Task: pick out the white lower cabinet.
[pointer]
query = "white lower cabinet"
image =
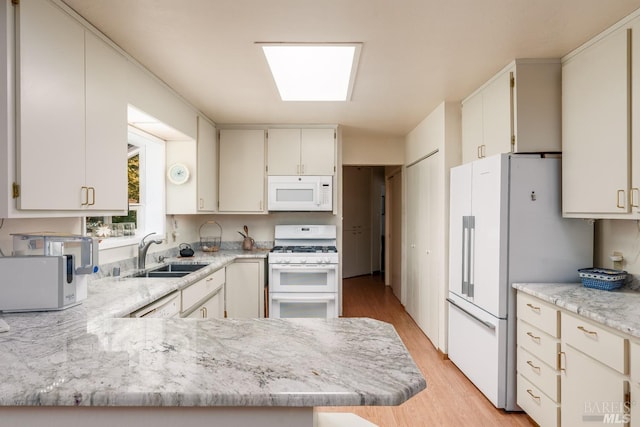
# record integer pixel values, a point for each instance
(205, 298)
(538, 390)
(634, 383)
(213, 308)
(245, 289)
(592, 393)
(571, 371)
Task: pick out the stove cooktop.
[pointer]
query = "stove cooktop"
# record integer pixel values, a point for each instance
(304, 249)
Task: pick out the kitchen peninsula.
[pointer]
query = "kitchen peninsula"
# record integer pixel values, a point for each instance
(89, 363)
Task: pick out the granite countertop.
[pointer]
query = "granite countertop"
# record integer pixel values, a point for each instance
(619, 310)
(89, 356)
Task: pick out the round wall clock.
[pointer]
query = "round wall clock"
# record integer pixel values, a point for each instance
(178, 173)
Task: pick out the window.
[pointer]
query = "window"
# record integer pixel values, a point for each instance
(146, 163)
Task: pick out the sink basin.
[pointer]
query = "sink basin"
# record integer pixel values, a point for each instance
(182, 268)
(171, 270)
(164, 274)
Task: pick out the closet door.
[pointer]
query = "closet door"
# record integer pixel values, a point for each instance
(412, 286)
(423, 273)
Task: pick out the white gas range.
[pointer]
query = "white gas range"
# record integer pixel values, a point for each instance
(303, 272)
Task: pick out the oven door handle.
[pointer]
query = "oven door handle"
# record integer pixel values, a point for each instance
(308, 268)
(302, 298)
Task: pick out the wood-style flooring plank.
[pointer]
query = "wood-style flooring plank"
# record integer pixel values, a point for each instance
(450, 399)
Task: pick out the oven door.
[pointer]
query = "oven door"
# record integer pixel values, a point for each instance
(303, 278)
(309, 305)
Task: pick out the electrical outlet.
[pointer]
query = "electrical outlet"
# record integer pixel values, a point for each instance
(618, 260)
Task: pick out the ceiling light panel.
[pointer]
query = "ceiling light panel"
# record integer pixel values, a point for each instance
(313, 72)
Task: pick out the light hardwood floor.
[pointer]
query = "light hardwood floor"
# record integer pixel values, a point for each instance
(450, 399)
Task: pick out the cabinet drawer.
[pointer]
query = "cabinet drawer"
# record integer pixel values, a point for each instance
(540, 314)
(196, 292)
(539, 373)
(600, 344)
(634, 361)
(538, 343)
(543, 410)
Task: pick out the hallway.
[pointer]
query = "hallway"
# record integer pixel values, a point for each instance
(449, 399)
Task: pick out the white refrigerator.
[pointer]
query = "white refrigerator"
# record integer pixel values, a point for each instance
(505, 226)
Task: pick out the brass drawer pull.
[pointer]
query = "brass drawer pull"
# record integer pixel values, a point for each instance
(586, 331)
(534, 367)
(533, 396)
(533, 307)
(533, 337)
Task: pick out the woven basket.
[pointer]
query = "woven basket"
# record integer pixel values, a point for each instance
(602, 278)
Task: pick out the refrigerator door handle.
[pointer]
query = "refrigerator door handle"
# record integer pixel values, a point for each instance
(472, 255)
(484, 322)
(465, 258)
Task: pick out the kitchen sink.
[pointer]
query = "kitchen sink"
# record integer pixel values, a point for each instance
(179, 268)
(171, 270)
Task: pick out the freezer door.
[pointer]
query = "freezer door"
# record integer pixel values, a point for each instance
(459, 211)
(478, 347)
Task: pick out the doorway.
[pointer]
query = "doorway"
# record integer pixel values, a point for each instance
(363, 238)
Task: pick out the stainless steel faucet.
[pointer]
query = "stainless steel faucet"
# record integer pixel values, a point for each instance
(143, 248)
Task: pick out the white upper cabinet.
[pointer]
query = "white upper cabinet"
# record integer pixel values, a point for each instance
(106, 125)
(207, 166)
(71, 115)
(306, 151)
(50, 108)
(241, 186)
(199, 192)
(596, 123)
(518, 111)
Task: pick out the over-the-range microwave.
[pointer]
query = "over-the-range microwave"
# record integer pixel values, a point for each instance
(300, 193)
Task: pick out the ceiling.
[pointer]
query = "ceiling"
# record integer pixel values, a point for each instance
(416, 53)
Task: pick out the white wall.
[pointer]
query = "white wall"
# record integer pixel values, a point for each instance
(372, 150)
(620, 236)
(261, 227)
(148, 94)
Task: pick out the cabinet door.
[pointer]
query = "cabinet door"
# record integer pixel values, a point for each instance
(242, 171)
(472, 133)
(283, 152)
(244, 290)
(181, 198)
(207, 166)
(635, 118)
(634, 382)
(317, 151)
(213, 308)
(591, 393)
(106, 126)
(595, 128)
(50, 110)
(497, 101)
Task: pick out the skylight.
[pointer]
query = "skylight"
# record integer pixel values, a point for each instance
(311, 71)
